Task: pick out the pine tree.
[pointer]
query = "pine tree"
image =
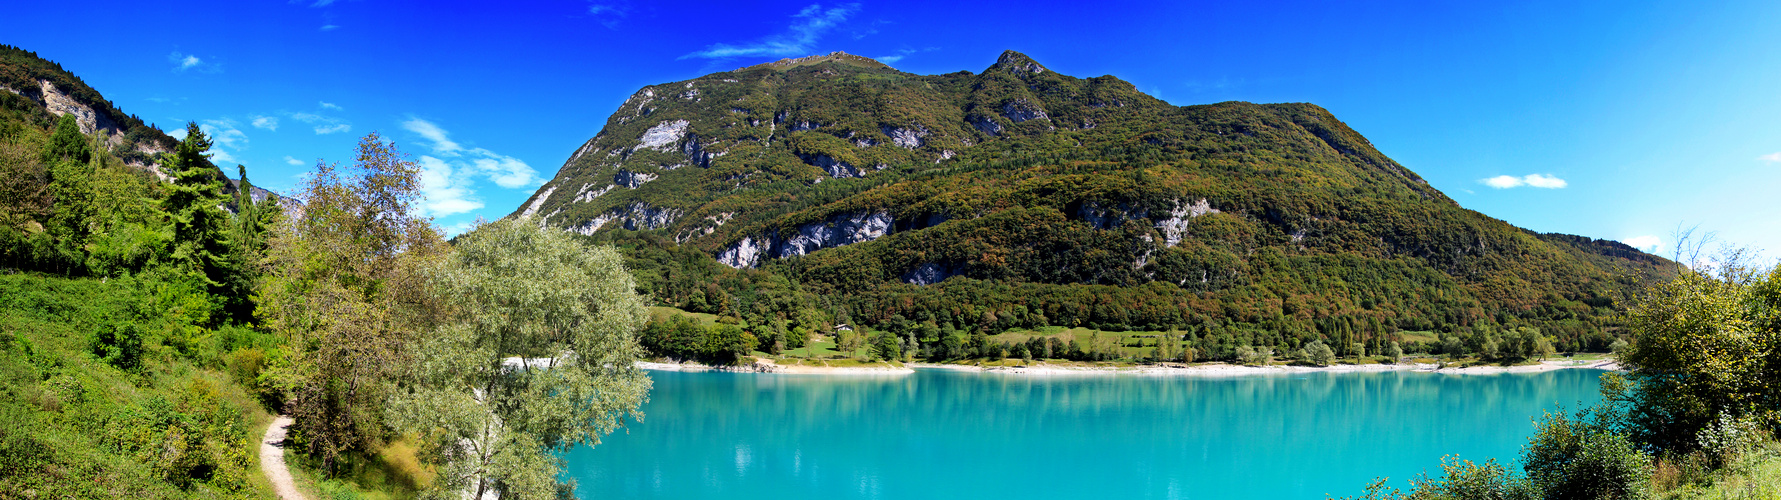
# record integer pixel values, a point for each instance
(194, 201)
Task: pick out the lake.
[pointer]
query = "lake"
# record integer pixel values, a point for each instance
(949, 434)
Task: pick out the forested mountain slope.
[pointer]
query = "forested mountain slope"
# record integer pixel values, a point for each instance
(35, 91)
(1022, 197)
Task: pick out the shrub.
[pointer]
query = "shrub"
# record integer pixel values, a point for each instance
(1578, 457)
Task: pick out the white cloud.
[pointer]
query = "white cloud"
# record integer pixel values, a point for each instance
(323, 124)
(1647, 243)
(503, 170)
(1545, 181)
(1774, 157)
(434, 134)
(445, 192)
(1533, 180)
(225, 133)
(321, 3)
(182, 62)
(293, 161)
(329, 105)
(1503, 181)
(329, 27)
(266, 122)
(807, 26)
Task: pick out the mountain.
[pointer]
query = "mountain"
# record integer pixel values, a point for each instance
(1022, 197)
(36, 91)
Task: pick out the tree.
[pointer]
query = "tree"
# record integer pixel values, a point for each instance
(885, 346)
(535, 356)
(1706, 344)
(1394, 351)
(1318, 353)
(194, 202)
(344, 290)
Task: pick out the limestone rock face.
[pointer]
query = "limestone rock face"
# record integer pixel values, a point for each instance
(836, 231)
(663, 136)
(1020, 110)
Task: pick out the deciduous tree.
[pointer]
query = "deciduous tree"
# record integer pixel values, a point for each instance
(535, 356)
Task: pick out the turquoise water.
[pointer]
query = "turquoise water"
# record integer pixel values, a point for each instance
(944, 434)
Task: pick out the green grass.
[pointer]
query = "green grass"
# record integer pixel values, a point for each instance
(1419, 336)
(663, 312)
(178, 425)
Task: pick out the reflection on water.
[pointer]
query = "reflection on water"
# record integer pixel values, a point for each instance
(942, 434)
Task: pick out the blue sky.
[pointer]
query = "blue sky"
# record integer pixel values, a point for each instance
(1619, 120)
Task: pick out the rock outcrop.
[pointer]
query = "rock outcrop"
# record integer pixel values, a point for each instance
(837, 230)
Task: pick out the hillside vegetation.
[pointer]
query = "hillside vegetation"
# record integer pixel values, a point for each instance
(153, 312)
(835, 189)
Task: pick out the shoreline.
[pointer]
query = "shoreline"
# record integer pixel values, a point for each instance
(763, 365)
(1231, 370)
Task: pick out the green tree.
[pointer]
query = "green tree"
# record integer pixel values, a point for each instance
(1318, 353)
(535, 357)
(344, 290)
(194, 203)
(1705, 345)
(885, 346)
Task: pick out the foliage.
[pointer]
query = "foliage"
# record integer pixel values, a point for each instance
(1705, 345)
(1317, 353)
(1582, 457)
(534, 356)
(1095, 215)
(345, 292)
(117, 414)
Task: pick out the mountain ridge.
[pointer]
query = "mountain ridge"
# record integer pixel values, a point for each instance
(861, 180)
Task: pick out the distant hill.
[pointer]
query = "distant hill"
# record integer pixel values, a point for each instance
(35, 91)
(958, 197)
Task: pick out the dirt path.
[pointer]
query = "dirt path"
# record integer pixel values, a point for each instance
(272, 459)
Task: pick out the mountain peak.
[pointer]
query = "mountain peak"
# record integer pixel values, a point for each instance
(1015, 62)
(838, 57)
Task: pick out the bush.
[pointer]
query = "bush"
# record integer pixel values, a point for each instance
(1464, 480)
(1578, 457)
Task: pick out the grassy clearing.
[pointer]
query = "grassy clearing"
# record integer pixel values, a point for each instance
(662, 312)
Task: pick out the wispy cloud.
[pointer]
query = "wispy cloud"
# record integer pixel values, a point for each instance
(320, 3)
(323, 125)
(807, 27)
(609, 14)
(225, 132)
(1531, 180)
(902, 53)
(293, 161)
(449, 174)
(266, 122)
(1647, 243)
(184, 62)
(225, 136)
(329, 105)
(329, 27)
(1774, 157)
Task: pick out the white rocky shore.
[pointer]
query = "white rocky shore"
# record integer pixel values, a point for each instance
(1165, 369)
(1228, 370)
